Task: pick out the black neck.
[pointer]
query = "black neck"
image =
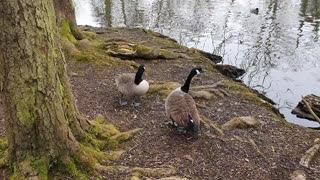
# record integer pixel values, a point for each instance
(138, 77)
(186, 86)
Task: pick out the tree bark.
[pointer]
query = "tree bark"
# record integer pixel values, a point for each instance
(42, 120)
(65, 13)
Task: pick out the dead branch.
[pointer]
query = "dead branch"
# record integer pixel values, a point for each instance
(310, 109)
(308, 156)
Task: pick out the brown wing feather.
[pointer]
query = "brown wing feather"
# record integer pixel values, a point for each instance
(125, 83)
(180, 106)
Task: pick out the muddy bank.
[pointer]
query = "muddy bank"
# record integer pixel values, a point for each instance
(270, 149)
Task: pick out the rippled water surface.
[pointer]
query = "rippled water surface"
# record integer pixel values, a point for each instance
(278, 47)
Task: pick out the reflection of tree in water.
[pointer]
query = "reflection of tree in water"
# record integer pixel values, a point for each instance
(102, 10)
(310, 13)
(257, 60)
(185, 17)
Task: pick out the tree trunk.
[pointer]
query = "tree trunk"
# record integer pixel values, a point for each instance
(41, 117)
(65, 16)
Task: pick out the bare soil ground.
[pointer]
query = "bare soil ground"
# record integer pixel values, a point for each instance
(270, 151)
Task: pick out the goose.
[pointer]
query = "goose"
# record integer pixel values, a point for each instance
(132, 85)
(254, 10)
(181, 108)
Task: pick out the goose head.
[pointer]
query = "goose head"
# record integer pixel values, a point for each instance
(194, 71)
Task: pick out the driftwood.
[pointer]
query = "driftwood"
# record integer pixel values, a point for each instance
(308, 108)
(310, 154)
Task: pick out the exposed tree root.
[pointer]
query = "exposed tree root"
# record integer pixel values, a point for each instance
(241, 123)
(209, 91)
(138, 172)
(252, 143)
(127, 50)
(210, 86)
(124, 136)
(173, 178)
(215, 127)
(298, 175)
(309, 155)
(257, 149)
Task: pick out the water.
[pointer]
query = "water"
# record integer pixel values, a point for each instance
(278, 47)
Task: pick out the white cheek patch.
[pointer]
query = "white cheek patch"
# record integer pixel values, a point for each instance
(191, 120)
(198, 72)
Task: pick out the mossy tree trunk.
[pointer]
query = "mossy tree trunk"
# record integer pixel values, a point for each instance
(65, 16)
(42, 121)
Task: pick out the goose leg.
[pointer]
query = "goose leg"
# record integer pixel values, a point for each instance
(135, 103)
(172, 124)
(122, 103)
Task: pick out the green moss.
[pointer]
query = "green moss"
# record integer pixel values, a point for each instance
(99, 119)
(92, 152)
(153, 172)
(247, 93)
(41, 166)
(99, 156)
(90, 35)
(24, 106)
(102, 130)
(66, 33)
(91, 140)
(146, 52)
(3, 144)
(163, 88)
(82, 57)
(135, 176)
(99, 135)
(112, 143)
(69, 166)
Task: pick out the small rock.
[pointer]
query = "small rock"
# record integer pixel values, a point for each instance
(189, 158)
(241, 122)
(298, 175)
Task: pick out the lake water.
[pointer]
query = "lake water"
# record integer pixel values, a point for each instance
(279, 47)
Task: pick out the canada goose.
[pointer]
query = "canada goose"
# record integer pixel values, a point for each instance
(254, 10)
(132, 85)
(181, 107)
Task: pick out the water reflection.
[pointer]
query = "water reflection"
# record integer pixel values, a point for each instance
(279, 46)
